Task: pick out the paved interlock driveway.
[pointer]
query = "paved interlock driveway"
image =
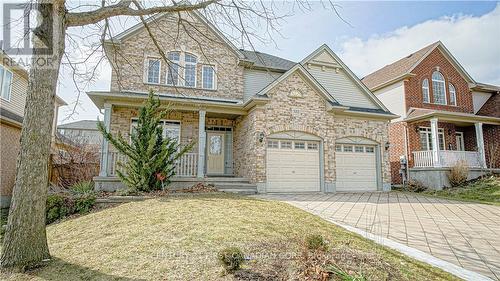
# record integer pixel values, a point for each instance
(463, 233)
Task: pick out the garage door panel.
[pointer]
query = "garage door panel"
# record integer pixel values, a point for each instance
(356, 171)
(293, 170)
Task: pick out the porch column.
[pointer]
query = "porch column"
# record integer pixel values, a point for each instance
(480, 144)
(201, 144)
(435, 142)
(104, 145)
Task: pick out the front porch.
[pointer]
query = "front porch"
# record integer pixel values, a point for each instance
(208, 125)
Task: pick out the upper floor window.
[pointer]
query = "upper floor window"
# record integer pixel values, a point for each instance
(453, 94)
(153, 71)
(425, 90)
(190, 62)
(438, 88)
(173, 68)
(208, 77)
(5, 83)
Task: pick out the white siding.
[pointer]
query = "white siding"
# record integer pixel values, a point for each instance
(341, 86)
(17, 95)
(393, 97)
(256, 80)
(479, 99)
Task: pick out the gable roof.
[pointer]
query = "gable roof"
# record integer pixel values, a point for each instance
(402, 68)
(351, 74)
(139, 26)
(80, 125)
(309, 77)
(265, 61)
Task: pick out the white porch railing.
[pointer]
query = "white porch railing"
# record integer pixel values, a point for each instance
(186, 166)
(447, 158)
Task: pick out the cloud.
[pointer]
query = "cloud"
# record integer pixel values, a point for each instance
(474, 41)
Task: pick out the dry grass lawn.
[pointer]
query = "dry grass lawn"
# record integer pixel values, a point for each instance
(177, 238)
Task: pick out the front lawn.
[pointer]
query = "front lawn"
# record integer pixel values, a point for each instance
(486, 190)
(178, 237)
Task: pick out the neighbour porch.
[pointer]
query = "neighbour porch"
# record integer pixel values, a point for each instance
(438, 141)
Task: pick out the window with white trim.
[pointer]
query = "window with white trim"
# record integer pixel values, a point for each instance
(170, 129)
(453, 94)
(338, 148)
(370, 149)
(426, 138)
(425, 90)
(312, 146)
(153, 71)
(286, 145)
(5, 83)
(208, 77)
(173, 68)
(190, 62)
(347, 148)
(299, 145)
(359, 149)
(438, 88)
(273, 144)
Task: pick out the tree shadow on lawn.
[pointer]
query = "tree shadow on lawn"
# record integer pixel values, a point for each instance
(60, 270)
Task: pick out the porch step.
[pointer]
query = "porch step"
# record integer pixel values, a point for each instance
(240, 191)
(236, 187)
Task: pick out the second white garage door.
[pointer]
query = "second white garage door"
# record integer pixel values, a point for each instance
(292, 166)
(356, 168)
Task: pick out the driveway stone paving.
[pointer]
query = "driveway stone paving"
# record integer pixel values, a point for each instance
(463, 233)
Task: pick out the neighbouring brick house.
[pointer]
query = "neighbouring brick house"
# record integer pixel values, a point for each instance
(261, 120)
(445, 116)
(13, 87)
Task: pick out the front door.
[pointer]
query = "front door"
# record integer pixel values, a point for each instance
(215, 153)
(460, 141)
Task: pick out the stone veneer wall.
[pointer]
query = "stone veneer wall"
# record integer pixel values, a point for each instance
(130, 59)
(307, 114)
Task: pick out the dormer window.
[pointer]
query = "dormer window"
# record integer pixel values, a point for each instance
(153, 71)
(190, 62)
(453, 94)
(173, 68)
(438, 88)
(425, 91)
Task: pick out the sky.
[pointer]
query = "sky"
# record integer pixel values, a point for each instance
(378, 34)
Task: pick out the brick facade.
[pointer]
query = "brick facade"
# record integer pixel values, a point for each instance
(305, 114)
(434, 61)
(130, 57)
(491, 107)
(10, 145)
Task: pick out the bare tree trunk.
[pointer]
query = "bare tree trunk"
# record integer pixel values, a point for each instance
(25, 241)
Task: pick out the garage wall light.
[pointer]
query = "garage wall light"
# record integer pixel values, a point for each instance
(261, 137)
(387, 145)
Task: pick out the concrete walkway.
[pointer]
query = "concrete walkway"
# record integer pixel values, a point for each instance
(465, 234)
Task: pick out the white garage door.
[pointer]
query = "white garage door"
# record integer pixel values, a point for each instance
(292, 166)
(356, 167)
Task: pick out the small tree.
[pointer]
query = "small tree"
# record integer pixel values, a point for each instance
(150, 157)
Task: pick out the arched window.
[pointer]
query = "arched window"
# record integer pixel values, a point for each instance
(453, 94)
(425, 91)
(438, 88)
(190, 62)
(173, 68)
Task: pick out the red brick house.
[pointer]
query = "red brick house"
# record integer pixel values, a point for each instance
(445, 116)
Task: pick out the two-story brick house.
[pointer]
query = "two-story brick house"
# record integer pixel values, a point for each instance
(257, 119)
(13, 87)
(445, 116)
